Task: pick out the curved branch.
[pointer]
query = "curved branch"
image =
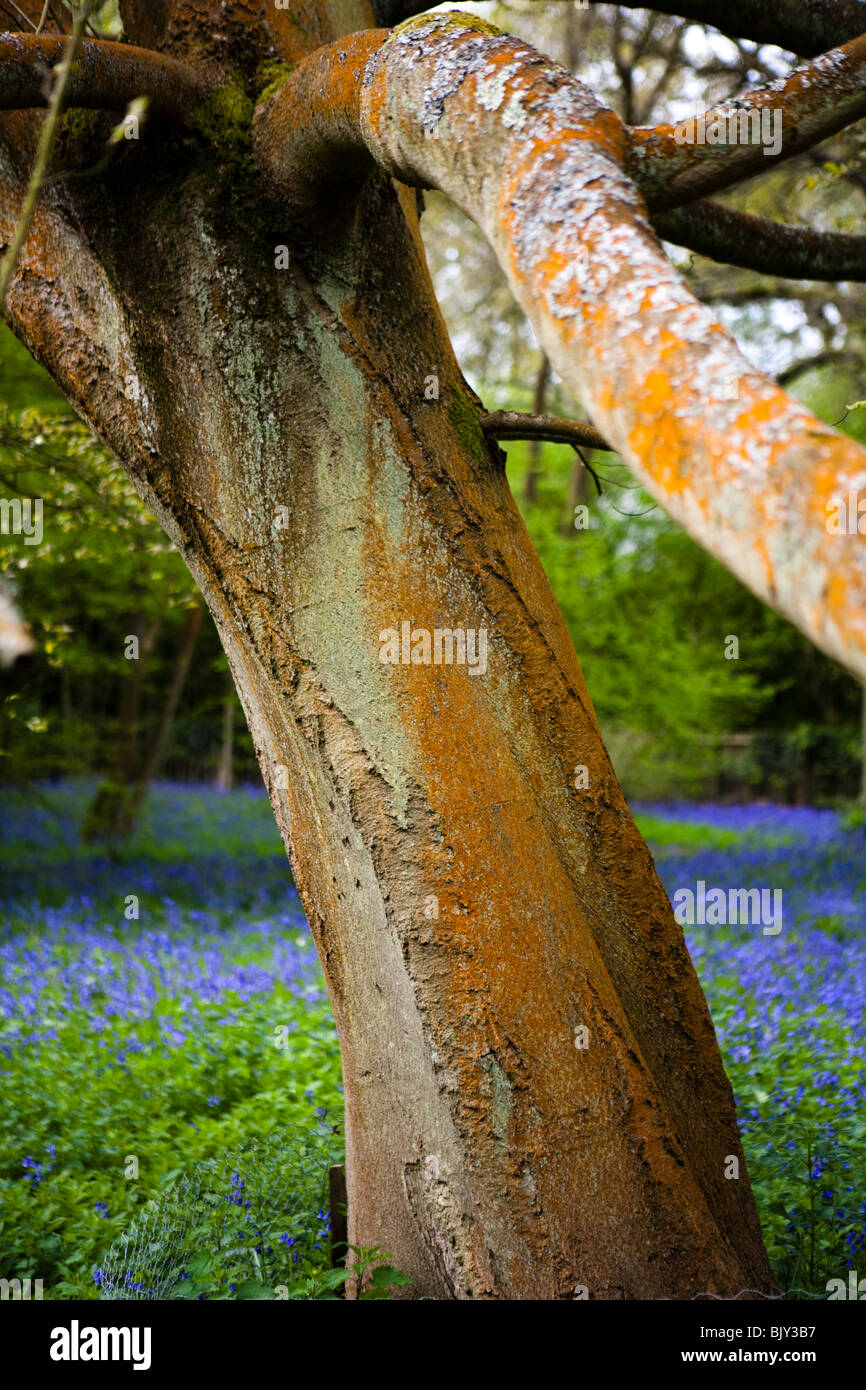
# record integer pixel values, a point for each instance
(512, 424)
(804, 28)
(107, 76)
(755, 243)
(532, 157)
(674, 164)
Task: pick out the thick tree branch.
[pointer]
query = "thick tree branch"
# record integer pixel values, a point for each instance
(755, 243)
(673, 164)
(106, 76)
(511, 424)
(807, 27)
(534, 159)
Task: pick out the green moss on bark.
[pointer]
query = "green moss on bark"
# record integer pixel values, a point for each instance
(463, 414)
(451, 20)
(270, 76)
(225, 119)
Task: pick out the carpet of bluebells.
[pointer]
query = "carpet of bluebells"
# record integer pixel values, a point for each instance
(134, 1047)
(790, 1014)
(162, 1008)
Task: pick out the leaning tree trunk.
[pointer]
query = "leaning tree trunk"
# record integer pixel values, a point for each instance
(535, 1100)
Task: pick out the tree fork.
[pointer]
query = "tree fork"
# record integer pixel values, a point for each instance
(532, 157)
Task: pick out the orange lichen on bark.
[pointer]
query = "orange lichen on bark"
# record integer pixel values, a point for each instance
(501, 1034)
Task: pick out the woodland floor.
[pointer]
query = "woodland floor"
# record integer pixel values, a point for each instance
(132, 1049)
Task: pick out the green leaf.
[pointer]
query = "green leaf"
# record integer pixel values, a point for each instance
(251, 1288)
(387, 1275)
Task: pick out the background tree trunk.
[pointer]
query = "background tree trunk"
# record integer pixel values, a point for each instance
(129, 720)
(224, 775)
(157, 750)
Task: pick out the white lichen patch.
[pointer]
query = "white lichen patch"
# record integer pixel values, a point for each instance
(514, 117)
(491, 90)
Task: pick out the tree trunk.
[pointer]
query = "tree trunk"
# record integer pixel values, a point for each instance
(130, 697)
(224, 776)
(577, 494)
(535, 1100)
(112, 812)
(156, 753)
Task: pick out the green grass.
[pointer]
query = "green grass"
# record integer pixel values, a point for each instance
(671, 834)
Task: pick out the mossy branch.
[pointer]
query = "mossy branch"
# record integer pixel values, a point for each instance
(105, 76)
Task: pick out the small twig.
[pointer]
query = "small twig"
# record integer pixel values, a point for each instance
(511, 424)
(21, 14)
(589, 468)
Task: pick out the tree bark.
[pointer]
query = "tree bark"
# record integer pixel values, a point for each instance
(535, 1099)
